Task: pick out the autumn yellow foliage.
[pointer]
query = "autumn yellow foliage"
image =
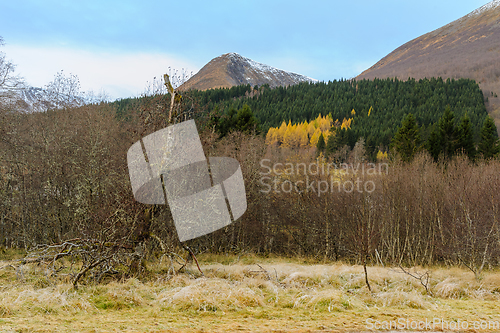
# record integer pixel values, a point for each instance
(306, 134)
(382, 156)
(346, 124)
(300, 135)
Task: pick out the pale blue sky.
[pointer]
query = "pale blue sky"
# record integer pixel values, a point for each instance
(119, 46)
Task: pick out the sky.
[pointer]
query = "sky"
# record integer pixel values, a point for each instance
(119, 47)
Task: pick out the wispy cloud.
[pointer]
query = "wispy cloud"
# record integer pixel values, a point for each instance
(119, 74)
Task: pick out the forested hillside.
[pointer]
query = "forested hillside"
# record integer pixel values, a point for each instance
(389, 100)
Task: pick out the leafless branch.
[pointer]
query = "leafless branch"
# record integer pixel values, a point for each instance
(423, 278)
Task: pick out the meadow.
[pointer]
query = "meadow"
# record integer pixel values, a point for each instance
(252, 294)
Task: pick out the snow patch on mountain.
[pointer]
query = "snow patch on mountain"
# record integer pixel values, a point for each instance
(33, 99)
(490, 5)
(268, 71)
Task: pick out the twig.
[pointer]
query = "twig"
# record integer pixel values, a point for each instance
(424, 278)
(85, 270)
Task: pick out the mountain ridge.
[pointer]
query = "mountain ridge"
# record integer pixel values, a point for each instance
(34, 99)
(468, 47)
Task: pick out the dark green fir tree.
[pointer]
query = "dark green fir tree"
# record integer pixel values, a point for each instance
(466, 138)
(406, 141)
(448, 134)
(488, 146)
(321, 145)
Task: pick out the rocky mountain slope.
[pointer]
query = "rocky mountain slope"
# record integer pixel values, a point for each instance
(33, 99)
(468, 47)
(232, 69)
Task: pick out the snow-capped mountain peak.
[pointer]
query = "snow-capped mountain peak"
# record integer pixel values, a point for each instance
(232, 69)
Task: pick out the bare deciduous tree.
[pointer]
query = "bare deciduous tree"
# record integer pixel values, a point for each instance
(9, 82)
(64, 91)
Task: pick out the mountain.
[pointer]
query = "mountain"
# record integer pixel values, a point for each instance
(33, 99)
(468, 47)
(232, 69)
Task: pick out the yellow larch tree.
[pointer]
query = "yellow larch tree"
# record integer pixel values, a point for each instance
(310, 129)
(272, 136)
(346, 124)
(381, 156)
(303, 134)
(287, 140)
(281, 132)
(325, 124)
(314, 139)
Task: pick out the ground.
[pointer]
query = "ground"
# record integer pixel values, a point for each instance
(253, 294)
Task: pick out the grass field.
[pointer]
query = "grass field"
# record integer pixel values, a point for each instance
(253, 294)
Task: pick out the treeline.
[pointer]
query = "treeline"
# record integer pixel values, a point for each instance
(447, 138)
(388, 99)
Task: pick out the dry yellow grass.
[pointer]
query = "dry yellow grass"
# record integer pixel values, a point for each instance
(248, 295)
